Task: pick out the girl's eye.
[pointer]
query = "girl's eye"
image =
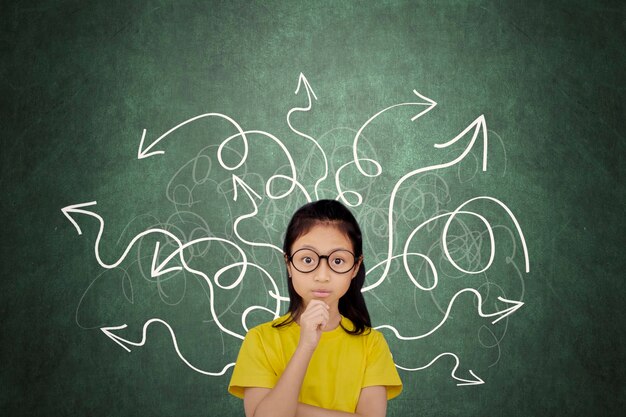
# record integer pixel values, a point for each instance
(338, 261)
(307, 260)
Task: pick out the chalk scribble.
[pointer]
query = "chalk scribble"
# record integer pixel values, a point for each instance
(238, 261)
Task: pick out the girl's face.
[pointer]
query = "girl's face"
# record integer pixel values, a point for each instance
(322, 283)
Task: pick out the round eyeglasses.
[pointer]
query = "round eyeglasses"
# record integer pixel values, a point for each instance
(307, 260)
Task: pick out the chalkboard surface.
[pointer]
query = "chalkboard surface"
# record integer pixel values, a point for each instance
(154, 151)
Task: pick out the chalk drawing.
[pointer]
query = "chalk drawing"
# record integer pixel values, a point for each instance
(244, 247)
(476, 381)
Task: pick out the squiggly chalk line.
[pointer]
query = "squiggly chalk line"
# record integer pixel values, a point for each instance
(390, 207)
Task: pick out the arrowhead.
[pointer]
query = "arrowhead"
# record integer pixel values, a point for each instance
(117, 339)
(238, 182)
(479, 125)
(476, 381)
(157, 270)
(428, 102)
(508, 311)
(302, 80)
(76, 208)
(145, 153)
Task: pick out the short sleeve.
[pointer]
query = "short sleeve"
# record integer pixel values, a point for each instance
(252, 368)
(380, 369)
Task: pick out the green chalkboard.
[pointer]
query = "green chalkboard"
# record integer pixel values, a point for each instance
(154, 151)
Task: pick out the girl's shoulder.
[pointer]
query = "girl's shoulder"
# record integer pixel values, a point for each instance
(373, 338)
(272, 326)
(369, 332)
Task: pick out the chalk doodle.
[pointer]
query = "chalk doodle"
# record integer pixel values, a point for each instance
(233, 260)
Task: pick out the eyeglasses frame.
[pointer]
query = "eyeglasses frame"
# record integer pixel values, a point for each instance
(327, 257)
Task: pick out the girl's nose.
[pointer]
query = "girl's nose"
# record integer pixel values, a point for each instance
(322, 273)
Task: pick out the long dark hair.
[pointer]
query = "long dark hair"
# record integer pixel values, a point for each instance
(352, 304)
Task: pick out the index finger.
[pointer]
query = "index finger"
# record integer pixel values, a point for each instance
(318, 302)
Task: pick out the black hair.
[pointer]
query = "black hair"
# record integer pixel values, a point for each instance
(352, 304)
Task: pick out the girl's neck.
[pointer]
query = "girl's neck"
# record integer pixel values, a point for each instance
(333, 322)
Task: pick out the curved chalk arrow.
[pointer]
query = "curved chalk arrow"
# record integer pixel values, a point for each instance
(160, 269)
(145, 152)
(78, 209)
(237, 184)
(451, 216)
(302, 81)
(427, 102)
(464, 382)
(244, 264)
(477, 126)
(268, 185)
(123, 342)
(500, 314)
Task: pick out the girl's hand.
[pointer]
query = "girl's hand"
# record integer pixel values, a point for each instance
(312, 321)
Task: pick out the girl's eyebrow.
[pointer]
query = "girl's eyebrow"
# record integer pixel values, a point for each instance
(317, 250)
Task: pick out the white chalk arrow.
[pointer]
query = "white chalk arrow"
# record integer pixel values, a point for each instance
(444, 242)
(157, 269)
(244, 264)
(514, 306)
(430, 104)
(268, 184)
(77, 208)
(160, 268)
(146, 152)
(302, 81)
(476, 127)
(237, 184)
(463, 382)
(124, 343)
(74, 209)
(309, 92)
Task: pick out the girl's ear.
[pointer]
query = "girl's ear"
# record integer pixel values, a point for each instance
(287, 263)
(357, 265)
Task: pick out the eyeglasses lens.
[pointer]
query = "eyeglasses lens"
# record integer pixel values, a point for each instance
(306, 260)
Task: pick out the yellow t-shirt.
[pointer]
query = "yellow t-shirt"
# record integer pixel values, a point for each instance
(341, 366)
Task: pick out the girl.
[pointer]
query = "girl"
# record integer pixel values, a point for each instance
(322, 358)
